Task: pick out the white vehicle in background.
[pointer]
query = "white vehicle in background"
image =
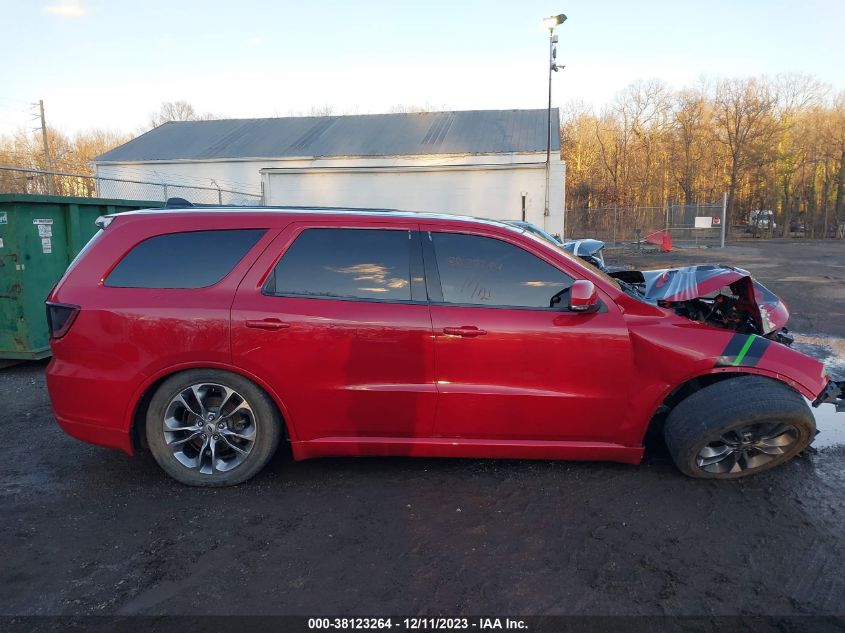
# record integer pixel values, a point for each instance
(761, 220)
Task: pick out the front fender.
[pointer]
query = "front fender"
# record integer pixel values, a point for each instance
(749, 353)
(669, 353)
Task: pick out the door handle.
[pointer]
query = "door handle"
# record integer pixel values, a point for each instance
(267, 324)
(467, 331)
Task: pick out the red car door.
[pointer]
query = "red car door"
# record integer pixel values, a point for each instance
(507, 364)
(334, 319)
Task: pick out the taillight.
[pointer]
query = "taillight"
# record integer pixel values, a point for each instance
(60, 316)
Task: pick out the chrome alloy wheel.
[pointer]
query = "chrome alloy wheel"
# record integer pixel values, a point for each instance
(209, 428)
(747, 447)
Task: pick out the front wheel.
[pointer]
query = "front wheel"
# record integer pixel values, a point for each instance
(212, 428)
(738, 427)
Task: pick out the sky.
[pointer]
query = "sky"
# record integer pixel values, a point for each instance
(111, 63)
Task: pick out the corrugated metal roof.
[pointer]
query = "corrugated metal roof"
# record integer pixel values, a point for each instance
(463, 132)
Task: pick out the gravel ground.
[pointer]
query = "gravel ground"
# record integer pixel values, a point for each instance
(91, 531)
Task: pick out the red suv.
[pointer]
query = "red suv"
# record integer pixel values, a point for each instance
(210, 335)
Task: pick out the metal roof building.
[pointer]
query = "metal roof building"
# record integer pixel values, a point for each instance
(470, 132)
(483, 162)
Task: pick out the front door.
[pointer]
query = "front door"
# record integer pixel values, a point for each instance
(507, 364)
(336, 319)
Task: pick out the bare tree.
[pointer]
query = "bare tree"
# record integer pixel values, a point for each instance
(773, 143)
(581, 152)
(744, 124)
(838, 137)
(178, 111)
(402, 108)
(689, 140)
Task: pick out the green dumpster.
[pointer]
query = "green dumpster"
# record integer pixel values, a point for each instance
(39, 237)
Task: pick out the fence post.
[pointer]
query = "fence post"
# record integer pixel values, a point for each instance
(724, 217)
(615, 222)
(219, 193)
(163, 185)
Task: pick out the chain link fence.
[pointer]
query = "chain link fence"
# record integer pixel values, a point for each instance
(36, 181)
(614, 225)
(695, 225)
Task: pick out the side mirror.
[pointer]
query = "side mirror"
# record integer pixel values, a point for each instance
(583, 297)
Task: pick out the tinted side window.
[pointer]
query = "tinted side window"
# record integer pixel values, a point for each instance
(183, 260)
(486, 271)
(346, 264)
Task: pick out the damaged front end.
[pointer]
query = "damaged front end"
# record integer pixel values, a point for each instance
(833, 393)
(722, 296)
(730, 299)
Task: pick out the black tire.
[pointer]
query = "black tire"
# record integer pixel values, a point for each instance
(264, 421)
(702, 420)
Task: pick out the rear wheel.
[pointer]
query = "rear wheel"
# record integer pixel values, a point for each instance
(212, 428)
(738, 427)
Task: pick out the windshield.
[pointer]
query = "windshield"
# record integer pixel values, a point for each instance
(541, 233)
(556, 245)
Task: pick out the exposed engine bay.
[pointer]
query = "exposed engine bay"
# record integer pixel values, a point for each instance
(728, 311)
(722, 296)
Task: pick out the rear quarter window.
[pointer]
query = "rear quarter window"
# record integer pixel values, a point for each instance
(193, 259)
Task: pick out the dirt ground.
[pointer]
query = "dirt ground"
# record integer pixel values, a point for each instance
(91, 531)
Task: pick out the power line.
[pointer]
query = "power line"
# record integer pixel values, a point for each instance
(9, 109)
(8, 100)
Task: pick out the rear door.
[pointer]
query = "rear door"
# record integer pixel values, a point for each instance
(510, 366)
(335, 318)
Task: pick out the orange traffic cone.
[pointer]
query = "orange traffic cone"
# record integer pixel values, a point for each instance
(666, 245)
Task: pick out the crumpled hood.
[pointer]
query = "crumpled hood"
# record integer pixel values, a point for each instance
(694, 282)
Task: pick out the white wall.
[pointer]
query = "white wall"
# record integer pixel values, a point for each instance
(485, 192)
(438, 183)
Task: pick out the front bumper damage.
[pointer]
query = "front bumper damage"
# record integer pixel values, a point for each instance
(833, 393)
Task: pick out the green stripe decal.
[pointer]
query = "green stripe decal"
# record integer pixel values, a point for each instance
(743, 351)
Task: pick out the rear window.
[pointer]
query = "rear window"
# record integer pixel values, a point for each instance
(183, 260)
(346, 264)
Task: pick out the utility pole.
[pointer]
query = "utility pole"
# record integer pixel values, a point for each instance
(552, 67)
(551, 23)
(50, 186)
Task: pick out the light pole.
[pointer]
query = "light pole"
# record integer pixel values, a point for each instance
(551, 23)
